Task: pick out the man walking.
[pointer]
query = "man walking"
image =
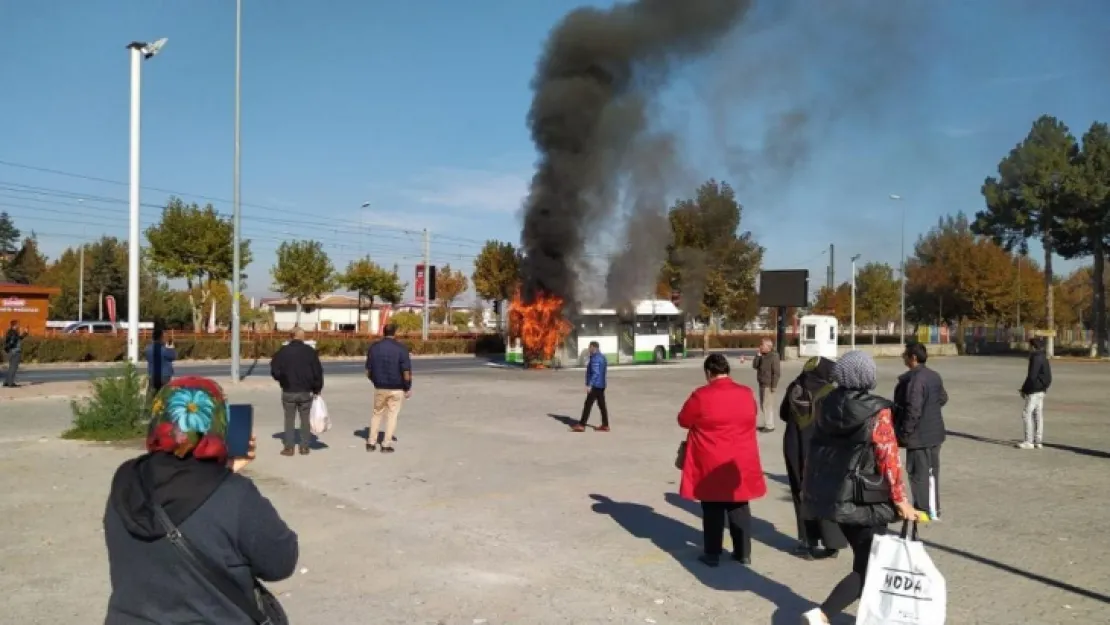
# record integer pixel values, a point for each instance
(389, 368)
(596, 371)
(1037, 381)
(919, 424)
(296, 367)
(13, 347)
(767, 373)
(159, 363)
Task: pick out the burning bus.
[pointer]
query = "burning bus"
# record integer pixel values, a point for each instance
(650, 331)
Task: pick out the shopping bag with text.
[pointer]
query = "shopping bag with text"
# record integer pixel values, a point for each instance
(903, 586)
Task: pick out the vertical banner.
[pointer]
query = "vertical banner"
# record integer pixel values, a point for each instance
(111, 303)
(420, 284)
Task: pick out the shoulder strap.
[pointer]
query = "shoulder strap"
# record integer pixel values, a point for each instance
(202, 566)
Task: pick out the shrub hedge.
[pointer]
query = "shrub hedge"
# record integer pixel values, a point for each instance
(751, 341)
(114, 349)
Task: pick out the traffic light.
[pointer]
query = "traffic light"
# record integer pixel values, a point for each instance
(431, 283)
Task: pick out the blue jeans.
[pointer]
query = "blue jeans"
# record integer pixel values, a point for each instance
(13, 365)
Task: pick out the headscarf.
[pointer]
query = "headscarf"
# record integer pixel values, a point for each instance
(189, 417)
(855, 371)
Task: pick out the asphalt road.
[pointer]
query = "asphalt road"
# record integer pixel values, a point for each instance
(39, 375)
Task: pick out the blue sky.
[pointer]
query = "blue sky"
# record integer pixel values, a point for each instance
(419, 108)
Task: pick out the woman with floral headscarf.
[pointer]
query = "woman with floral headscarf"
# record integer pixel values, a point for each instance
(219, 511)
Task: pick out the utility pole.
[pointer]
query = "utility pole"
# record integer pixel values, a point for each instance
(81, 284)
(236, 261)
(427, 275)
(854, 259)
(829, 270)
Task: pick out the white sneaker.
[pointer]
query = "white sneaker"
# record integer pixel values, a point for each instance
(1024, 445)
(1038, 445)
(814, 617)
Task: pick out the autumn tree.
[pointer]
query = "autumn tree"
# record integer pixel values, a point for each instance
(836, 302)
(878, 295)
(496, 273)
(1027, 199)
(28, 264)
(1086, 226)
(9, 242)
(449, 286)
(194, 244)
(710, 261)
(303, 272)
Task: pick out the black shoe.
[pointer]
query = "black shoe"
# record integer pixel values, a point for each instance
(711, 560)
(803, 551)
(824, 553)
(745, 560)
(387, 450)
(371, 447)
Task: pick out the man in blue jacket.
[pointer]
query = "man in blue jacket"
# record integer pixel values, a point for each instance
(595, 389)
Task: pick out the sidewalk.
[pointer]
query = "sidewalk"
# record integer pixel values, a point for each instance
(83, 389)
(222, 361)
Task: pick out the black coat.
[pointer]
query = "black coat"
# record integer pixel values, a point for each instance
(918, 400)
(1039, 377)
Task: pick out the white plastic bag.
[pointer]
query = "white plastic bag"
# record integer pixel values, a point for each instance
(903, 586)
(319, 420)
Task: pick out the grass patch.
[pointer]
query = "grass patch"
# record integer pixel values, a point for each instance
(116, 411)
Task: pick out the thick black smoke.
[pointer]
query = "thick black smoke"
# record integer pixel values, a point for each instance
(592, 88)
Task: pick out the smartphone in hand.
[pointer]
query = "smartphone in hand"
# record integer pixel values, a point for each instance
(240, 426)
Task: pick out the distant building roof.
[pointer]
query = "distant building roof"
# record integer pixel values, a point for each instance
(327, 301)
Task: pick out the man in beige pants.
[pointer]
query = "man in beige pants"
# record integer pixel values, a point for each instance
(390, 371)
(767, 374)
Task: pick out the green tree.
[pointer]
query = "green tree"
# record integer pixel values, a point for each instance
(407, 322)
(194, 244)
(710, 262)
(1086, 230)
(1027, 199)
(28, 264)
(303, 272)
(878, 295)
(106, 264)
(449, 286)
(9, 242)
(496, 273)
(369, 280)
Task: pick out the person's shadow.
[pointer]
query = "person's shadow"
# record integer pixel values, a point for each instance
(683, 543)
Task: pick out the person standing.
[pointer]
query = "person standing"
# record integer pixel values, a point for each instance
(13, 347)
(389, 368)
(799, 409)
(159, 363)
(296, 367)
(767, 373)
(853, 476)
(721, 468)
(1037, 381)
(596, 373)
(919, 422)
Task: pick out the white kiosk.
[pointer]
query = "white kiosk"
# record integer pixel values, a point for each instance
(818, 334)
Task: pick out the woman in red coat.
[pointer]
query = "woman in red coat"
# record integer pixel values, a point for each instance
(721, 468)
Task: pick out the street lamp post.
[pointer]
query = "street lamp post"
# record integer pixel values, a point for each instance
(139, 52)
(902, 264)
(236, 208)
(854, 259)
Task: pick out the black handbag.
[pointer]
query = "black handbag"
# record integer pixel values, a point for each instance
(260, 604)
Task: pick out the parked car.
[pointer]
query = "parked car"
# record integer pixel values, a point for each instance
(91, 327)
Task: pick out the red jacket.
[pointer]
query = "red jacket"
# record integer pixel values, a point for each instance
(722, 450)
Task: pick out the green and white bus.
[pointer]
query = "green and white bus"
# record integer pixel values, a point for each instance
(654, 333)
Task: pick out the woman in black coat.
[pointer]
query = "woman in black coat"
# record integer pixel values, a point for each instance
(796, 411)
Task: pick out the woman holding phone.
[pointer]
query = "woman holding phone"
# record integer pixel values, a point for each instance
(187, 475)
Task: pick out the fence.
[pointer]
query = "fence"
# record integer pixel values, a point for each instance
(1007, 334)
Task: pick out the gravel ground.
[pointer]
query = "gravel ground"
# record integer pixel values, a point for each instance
(491, 512)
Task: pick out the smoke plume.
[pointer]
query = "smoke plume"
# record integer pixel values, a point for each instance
(589, 119)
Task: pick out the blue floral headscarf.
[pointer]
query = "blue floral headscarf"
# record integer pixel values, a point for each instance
(189, 416)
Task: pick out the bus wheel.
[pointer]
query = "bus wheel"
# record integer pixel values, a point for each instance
(660, 355)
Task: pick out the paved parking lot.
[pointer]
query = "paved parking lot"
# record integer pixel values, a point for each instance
(492, 512)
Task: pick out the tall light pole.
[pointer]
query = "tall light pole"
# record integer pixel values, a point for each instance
(236, 212)
(902, 263)
(854, 259)
(139, 52)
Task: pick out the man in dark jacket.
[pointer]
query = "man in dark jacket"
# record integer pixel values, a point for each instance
(1037, 381)
(13, 347)
(919, 424)
(296, 367)
(389, 368)
(767, 374)
(596, 373)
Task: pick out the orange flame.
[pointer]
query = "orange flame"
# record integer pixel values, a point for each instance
(539, 325)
